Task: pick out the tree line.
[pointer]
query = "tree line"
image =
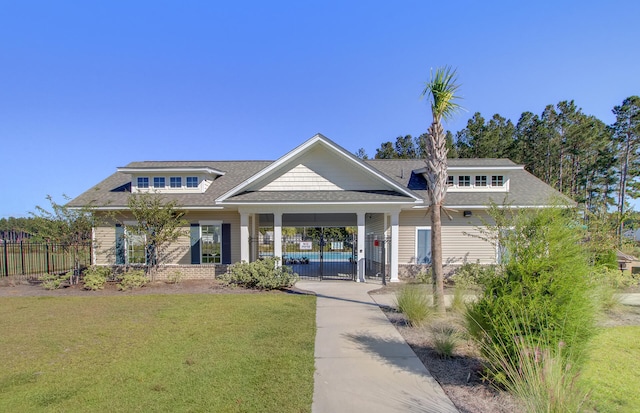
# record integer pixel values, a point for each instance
(595, 164)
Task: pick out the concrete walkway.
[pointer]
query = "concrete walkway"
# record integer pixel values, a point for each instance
(362, 363)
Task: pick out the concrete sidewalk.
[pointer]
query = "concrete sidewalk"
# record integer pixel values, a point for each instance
(362, 363)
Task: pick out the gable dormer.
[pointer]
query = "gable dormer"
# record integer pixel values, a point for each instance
(478, 175)
(184, 179)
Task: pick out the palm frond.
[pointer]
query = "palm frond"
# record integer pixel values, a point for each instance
(441, 92)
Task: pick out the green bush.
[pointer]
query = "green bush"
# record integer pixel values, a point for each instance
(54, 281)
(473, 275)
(263, 274)
(543, 290)
(96, 277)
(608, 282)
(132, 279)
(175, 277)
(413, 301)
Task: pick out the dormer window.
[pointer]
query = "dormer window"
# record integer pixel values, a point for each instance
(450, 181)
(464, 180)
(481, 180)
(497, 180)
(192, 181)
(185, 179)
(143, 182)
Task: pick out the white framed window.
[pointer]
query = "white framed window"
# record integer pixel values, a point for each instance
(175, 182)
(211, 242)
(143, 182)
(134, 246)
(450, 180)
(423, 245)
(464, 180)
(497, 180)
(192, 181)
(481, 180)
(158, 182)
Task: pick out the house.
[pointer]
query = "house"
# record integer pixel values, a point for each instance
(321, 209)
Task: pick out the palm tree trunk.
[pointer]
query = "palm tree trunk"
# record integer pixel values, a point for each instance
(437, 272)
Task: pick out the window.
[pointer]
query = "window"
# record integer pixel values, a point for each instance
(192, 181)
(423, 245)
(211, 245)
(464, 180)
(450, 180)
(497, 180)
(175, 182)
(481, 180)
(158, 181)
(135, 248)
(143, 182)
(502, 253)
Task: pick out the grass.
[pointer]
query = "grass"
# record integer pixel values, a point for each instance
(413, 301)
(223, 353)
(611, 372)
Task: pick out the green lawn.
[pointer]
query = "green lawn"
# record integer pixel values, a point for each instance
(171, 353)
(611, 373)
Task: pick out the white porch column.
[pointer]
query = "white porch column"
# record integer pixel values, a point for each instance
(245, 248)
(277, 234)
(361, 246)
(395, 235)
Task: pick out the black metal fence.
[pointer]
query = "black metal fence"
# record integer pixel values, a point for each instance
(30, 259)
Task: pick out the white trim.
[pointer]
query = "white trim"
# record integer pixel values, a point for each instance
(324, 203)
(209, 223)
(415, 239)
(486, 168)
(163, 170)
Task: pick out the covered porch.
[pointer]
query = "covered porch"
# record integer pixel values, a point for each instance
(328, 242)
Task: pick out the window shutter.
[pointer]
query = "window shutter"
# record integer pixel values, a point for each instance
(195, 243)
(120, 244)
(226, 243)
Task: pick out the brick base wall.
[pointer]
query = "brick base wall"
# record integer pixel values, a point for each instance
(413, 271)
(188, 272)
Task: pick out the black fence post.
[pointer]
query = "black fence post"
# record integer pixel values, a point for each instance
(22, 258)
(6, 258)
(47, 258)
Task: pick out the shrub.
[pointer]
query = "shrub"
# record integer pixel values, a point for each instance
(54, 281)
(608, 282)
(473, 275)
(132, 279)
(95, 277)
(415, 304)
(175, 277)
(544, 289)
(263, 274)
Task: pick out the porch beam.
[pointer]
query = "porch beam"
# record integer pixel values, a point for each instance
(277, 235)
(361, 246)
(395, 242)
(244, 237)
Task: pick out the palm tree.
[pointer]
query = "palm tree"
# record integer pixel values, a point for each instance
(441, 94)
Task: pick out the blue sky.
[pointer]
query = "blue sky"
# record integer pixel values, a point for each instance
(88, 86)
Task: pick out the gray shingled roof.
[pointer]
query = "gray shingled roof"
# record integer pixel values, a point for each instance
(525, 189)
